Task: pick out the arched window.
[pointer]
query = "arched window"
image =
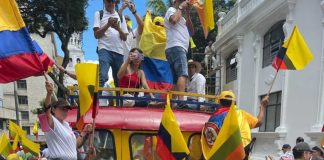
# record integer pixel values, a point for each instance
(272, 41)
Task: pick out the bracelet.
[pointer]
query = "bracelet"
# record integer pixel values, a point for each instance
(134, 12)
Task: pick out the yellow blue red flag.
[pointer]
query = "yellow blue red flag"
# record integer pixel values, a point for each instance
(156, 67)
(294, 53)
(170, 142)
(20, 57)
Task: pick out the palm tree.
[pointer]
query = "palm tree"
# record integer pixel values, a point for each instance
(159, 7)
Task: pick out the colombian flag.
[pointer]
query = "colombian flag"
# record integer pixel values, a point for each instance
(228, 144)
(294, 53)
(156, 67)
(170, 142)
(88, 81)
(205, 11)
(19, 56)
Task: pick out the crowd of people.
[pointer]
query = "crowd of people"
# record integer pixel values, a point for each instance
(301, 151)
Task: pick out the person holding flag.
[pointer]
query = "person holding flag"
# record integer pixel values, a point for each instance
(61, 141)
(245, 120)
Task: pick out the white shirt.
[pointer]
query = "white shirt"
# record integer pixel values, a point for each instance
(208, 50)
(132, 42)
(196, 84)
(61, 141)
(178, 34)
(111, 39)
(287, 156)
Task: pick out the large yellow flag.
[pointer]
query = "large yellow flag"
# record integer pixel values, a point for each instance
(5, 147)
(153, 39)
(88, 81)
(205, 11)
(294, 53)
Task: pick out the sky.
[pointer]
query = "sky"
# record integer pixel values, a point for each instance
(89, 42)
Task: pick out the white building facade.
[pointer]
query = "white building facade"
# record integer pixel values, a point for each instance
(250, 35)
(76, 56)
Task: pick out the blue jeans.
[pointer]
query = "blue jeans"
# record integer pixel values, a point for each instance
(109, 59)
(177, 57)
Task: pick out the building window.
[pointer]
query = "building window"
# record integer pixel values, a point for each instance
(23, 100)
(231, 70)
(272, 113)
(272, 41)
(22, 84)
(27, 129)
(24, 115)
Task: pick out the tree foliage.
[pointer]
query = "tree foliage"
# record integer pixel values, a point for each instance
(63, 17)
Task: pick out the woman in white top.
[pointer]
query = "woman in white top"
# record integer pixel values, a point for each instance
(60, 139)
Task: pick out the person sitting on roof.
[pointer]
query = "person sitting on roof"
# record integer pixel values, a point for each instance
(245, 119)
(131, 76)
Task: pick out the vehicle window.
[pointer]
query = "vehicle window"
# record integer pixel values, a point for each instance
(105, 145)
(142, 147)
(195, 147)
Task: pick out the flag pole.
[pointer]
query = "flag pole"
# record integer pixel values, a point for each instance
(272, 82)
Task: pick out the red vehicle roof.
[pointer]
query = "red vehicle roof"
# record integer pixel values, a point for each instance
(141, 118)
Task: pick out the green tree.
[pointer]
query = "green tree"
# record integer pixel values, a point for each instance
(63, 17)
(159, 7)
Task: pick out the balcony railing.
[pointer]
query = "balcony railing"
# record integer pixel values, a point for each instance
(240, 10)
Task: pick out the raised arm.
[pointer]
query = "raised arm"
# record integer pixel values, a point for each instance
(49, 88)
(140, 23)
(263, 105)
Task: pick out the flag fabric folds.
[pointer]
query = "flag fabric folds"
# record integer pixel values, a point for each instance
(170, 142)
(35, 128)
(205, 12)
(18, 54)
(228, 144)
(88, 82)
(31, 146)
(156, 67)
(14, 130)
(294, 53)
(5, 146)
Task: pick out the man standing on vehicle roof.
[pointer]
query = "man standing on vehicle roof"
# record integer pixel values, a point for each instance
(178, 29)
(110, 31)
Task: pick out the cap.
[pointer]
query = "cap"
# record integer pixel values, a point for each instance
(158, 20)
(229, 95)
(319, 149)
(61, 103)
(302, 146)
(285, 146)
(197, 64)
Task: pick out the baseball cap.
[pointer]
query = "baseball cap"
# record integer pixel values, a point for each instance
(62, 103)
(228, 95)
(158, 20)
(302, 146)
(319, 149)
